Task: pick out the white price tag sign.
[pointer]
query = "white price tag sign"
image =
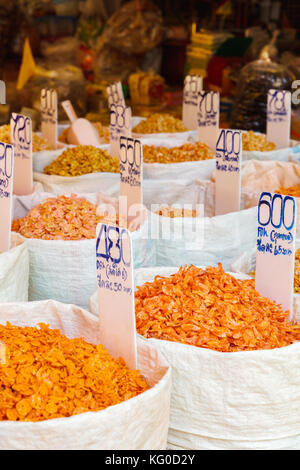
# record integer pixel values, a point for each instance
(115, 94)
(193, 84)
(6, 191)
(116, 292)
(120, 125)
(279, 117)
(2, 92)
(131, 171)
(208, 117)
(21, 138)
(275, 255)
(228, 174)
(49, 116)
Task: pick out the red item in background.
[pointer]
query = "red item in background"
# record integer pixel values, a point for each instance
(87, 56)
(216, 66)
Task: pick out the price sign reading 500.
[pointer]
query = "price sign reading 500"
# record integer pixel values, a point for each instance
(110, 243)
(277, 210)
(130, 152)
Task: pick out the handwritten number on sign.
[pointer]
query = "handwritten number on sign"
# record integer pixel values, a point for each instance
(130, 151)
(110, 244)
(277, 101)
(21, 129)
(6, 156)
(267, 210)
(208, 102)
(228, 142)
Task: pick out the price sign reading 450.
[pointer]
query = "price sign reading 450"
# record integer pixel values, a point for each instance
(21, 138)
(116, 292)
(192, 86)
(6, 191)
(115, 94)
(279, 117)
(228, 174)
(208, 117)
(49, 116)
(275, 255)
(120, 125)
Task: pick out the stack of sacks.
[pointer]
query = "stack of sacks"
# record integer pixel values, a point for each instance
(14, 271)
(188, 229)
(60, 233)
(233, 356)
(122, 408)
(83, 169)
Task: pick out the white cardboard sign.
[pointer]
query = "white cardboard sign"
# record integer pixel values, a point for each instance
(228, 174)
(49, 116)
(208, 116)
(131, 171)
(279, 117)
(120, 125)
(193, 84)
(2, 92)
(116, 292)
(6, 192)
(275, 250)
(21, 138)
(115, 94)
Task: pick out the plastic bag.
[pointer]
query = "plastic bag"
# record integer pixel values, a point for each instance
(250, 104)
(135, 28)
(138, 423)
(14, 271)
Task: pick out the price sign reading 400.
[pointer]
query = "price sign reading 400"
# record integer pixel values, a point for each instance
(116, 292)
(275, 255)
(228, 171)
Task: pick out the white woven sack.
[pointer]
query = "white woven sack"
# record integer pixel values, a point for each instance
(185, 170)
(278, 155)
(199, 240)
(138, 423)
(66, 270)
(241, 400)
(89, 183)
(246, 263)
(14, 272)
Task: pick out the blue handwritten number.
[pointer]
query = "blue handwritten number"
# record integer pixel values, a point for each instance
(270, 206)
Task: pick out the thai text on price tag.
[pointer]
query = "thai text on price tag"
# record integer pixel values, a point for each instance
(279, 117)
(228, 174)
(115, 94)
(208, 116)
(49, 116)
(120, 125)
(6, 191)
(116, 292)
(192, 86)
(2, 92)
(131, 172)
(21, 138)
(275, 250)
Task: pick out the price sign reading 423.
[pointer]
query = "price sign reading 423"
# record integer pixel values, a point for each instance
(279, 117)
(228, 174)
(131, 170)
(275, 250)
(49, 116)
(208, 112)
(6, 191)
(115, 94)
(21, 138)
(116, 292)
(120, 125)
(192, 86)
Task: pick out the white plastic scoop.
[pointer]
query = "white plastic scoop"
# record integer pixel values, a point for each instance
(81, 131)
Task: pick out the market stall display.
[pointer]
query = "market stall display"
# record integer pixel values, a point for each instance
(103, 132)
(119, 424)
